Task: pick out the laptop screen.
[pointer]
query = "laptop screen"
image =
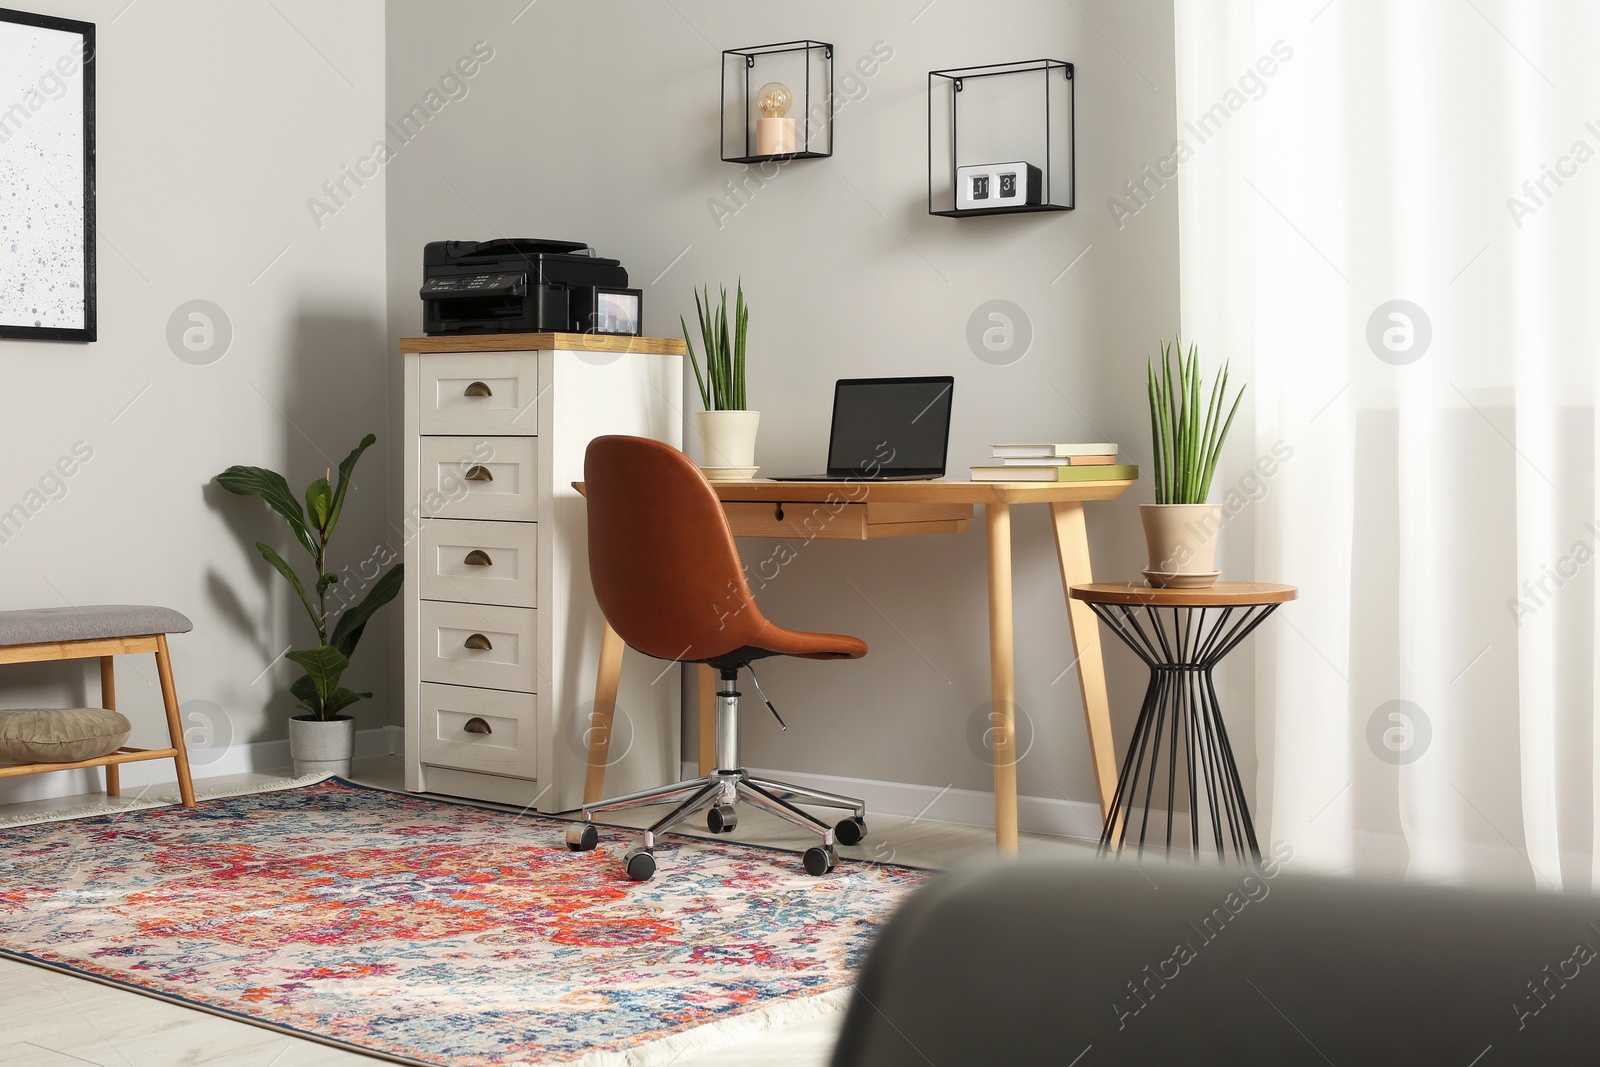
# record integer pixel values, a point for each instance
(890, 426)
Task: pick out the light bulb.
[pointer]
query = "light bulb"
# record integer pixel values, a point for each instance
(774, 99)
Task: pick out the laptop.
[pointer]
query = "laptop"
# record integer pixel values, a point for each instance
(887, 429)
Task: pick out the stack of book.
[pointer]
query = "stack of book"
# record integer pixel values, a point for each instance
(1094, 462)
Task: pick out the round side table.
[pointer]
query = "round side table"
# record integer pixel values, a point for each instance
(1181, 634)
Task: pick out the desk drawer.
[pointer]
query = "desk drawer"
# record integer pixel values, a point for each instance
(472, 644)
(480, 477)
(835, 522)
(845, 522)
(484, 393)
(478, 730)
(480, 562)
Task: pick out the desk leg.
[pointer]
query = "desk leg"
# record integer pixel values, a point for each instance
(1002, 678)
(706, 704)
(1072, 547)
(605, 707)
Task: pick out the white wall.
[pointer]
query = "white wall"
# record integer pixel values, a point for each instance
(597, 121)
(216, 123)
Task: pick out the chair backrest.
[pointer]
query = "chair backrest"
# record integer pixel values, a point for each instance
(665, 569)
(1037, 961)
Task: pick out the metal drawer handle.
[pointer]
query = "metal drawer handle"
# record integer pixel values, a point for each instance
(476, 641)
(479, 473)
(478, 558)
(478, 389)
(477, 725)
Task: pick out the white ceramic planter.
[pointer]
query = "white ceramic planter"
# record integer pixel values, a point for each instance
(322, 747)
(727, 438)
(1181, 540)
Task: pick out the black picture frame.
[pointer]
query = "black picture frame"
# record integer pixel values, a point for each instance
(15, 115)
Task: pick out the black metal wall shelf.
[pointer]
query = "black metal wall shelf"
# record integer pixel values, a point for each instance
(1040, 96)
(806, 67)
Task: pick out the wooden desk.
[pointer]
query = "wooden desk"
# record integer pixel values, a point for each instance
(859, 511)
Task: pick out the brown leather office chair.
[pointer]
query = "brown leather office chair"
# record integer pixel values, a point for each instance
(668, 579)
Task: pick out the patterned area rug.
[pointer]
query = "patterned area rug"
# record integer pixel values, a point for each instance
(437, 933)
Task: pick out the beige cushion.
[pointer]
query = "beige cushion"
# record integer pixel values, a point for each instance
(60, 735)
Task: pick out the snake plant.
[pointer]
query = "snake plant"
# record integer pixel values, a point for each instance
(1186, 430)
(722, 383)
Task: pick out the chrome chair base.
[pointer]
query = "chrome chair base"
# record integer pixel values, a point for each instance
(724, 789)
(717, 794)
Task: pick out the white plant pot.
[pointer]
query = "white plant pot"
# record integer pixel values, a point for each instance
(727, 438)
(322, 747)
(1181, 540)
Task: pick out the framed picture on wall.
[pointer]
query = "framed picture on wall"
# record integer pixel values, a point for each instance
(47, 235)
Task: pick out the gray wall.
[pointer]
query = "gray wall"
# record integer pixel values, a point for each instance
(216, 123)
(597, 121)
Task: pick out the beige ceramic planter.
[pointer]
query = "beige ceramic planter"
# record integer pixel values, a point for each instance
(1181, 540)
(727, 438)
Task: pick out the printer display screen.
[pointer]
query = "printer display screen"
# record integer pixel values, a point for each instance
(616, 313)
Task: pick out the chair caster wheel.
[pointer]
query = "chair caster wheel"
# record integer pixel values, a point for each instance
(820, 859)
(641, 865)
(851, 831)
(722, 819)
(582, 837)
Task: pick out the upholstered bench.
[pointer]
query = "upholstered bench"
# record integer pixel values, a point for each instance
(46, 634)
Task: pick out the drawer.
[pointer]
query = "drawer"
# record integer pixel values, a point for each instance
(804, 521)
(482, 393)
(473, 644)
(478, 730)
(480, 562)
(845, 522)
(480, 477)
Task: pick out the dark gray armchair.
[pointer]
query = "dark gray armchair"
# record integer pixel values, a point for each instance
(1089, 963)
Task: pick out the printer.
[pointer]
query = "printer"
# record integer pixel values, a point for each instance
(519, 285)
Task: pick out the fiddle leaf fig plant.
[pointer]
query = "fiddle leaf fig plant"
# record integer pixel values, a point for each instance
(318, 691)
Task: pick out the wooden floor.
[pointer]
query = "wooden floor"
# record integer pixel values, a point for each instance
(54, 1019)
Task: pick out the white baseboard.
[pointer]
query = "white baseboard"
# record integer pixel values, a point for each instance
(1076, 819)
(235, 759)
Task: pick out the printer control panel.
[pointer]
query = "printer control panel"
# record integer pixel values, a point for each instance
(474, 285)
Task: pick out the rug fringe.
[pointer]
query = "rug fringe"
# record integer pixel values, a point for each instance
(667, 1050)
(163, 799)
(261, 787)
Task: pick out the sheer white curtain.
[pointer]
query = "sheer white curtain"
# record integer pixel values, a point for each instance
(1390, 213)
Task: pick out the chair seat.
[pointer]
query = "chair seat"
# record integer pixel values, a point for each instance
(806, 645)
(33, 626)
(769, 640)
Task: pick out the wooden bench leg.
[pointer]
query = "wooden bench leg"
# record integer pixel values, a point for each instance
(108, 700)
(169, 697)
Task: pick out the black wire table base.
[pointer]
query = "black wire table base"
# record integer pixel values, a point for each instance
(1180, 713)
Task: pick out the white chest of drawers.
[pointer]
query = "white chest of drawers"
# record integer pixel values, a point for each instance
(502, 635)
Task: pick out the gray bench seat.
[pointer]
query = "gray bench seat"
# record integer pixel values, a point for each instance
(34, 626)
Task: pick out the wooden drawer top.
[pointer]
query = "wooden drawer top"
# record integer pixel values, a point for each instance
(529, 342)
